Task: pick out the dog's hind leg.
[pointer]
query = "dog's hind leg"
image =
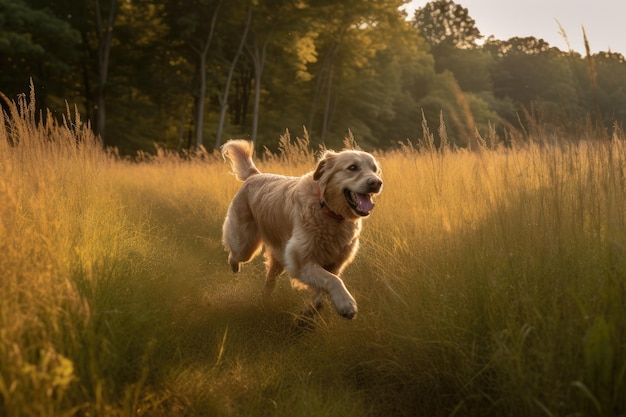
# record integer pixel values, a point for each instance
(243, 254)
(273, 268)
(241, 238)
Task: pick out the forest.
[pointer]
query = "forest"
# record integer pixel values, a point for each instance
(186, 74)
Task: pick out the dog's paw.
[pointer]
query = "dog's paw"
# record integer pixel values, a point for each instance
(345, 306)
(348, 313)
(234, 265)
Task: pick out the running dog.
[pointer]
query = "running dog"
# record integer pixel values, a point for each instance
(308, 225)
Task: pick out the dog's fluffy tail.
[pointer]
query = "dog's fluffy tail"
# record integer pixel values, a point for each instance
(239, 152)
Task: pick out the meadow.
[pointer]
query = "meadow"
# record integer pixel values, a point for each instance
(490, 282)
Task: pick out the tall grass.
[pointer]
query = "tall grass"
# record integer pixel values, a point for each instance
(489, 283)
(517, 257)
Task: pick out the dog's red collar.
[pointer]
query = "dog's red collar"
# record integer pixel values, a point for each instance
(327, 209)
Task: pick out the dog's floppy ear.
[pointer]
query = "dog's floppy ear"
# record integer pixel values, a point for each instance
(323, 165)
(319, 170)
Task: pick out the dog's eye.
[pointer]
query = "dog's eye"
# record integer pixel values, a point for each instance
(353, 167)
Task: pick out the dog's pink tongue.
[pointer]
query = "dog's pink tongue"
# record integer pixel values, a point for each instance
(364, 202)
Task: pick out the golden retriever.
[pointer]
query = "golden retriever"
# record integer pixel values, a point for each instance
(308, 225)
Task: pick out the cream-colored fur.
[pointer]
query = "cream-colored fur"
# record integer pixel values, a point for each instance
(308, 225)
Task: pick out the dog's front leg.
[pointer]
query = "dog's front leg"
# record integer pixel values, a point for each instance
(321, 280)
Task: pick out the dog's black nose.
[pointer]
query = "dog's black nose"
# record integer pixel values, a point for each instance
(375, 184)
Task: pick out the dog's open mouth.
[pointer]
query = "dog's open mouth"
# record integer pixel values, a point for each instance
(362, 204)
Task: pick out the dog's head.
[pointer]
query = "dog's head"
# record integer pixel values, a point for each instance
(348, 181)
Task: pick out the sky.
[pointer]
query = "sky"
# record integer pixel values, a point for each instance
(603, 21)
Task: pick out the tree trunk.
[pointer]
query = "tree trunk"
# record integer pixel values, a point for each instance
(200, 101)
(258, 58)
(242, 97)
(202, 52)
(316, 97)
(329, 92)
(105, 36)
(324, 82)
(224, 97)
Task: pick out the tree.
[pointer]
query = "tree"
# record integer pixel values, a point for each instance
(94, 21)
(270, 18)
(445, 24)
(535, 76)
(348, 82)
(610, 70)
(35, 44)
(195, 23)
(106, 12)
(528, 45)
(405, 70)
(471, 68)
(223, 97)
(149, 82)
(258, 52)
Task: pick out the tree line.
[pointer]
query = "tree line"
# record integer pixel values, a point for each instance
(181, 74)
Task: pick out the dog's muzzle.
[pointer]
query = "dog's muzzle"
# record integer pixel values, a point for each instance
(361, 203)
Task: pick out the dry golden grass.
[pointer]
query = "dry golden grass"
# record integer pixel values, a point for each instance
(489, 283)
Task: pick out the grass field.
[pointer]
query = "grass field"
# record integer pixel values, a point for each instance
(489, 283)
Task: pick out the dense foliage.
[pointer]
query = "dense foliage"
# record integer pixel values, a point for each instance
(180, 74)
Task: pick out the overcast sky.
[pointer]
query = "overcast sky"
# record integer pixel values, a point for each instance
(604, 21)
